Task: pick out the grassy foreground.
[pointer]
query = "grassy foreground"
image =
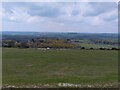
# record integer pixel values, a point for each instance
(34, 67)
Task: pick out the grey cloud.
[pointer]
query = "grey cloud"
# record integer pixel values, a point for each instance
(45, 12)
(101, 7)
(75, 12)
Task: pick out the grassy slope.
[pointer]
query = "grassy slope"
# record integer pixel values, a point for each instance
(0, 67)
(87, 44)
(97, 46)
(30, 66)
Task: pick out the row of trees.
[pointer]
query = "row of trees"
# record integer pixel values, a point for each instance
(46, 43)
(56, 43)
(100, 41)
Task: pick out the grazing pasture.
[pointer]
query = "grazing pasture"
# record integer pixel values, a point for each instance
(37, 67)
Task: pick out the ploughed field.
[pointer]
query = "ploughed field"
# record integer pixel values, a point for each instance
(25, 67)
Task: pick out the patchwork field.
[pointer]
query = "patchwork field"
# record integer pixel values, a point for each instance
(51, 67)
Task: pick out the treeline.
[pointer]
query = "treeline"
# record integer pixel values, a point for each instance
(38, 43)
(103, 41)
(48, 43)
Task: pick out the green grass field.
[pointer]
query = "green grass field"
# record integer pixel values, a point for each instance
(96, 46)
(36, 67)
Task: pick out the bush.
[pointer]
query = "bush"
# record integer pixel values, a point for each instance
(82, 47)
(102, 48)
(114, 49)
(91, 48)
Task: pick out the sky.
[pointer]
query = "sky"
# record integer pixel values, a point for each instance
(83, 17)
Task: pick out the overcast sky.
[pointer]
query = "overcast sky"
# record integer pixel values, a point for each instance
(84, 17)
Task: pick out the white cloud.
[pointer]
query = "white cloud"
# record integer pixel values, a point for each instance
(0, 16)
(19, 15)
(97, 21)
(63, 0)
(110, 15)
(58, 17)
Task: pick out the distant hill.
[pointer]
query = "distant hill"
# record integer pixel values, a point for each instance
(61, 35)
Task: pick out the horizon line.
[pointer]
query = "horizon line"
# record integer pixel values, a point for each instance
(66, 32)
